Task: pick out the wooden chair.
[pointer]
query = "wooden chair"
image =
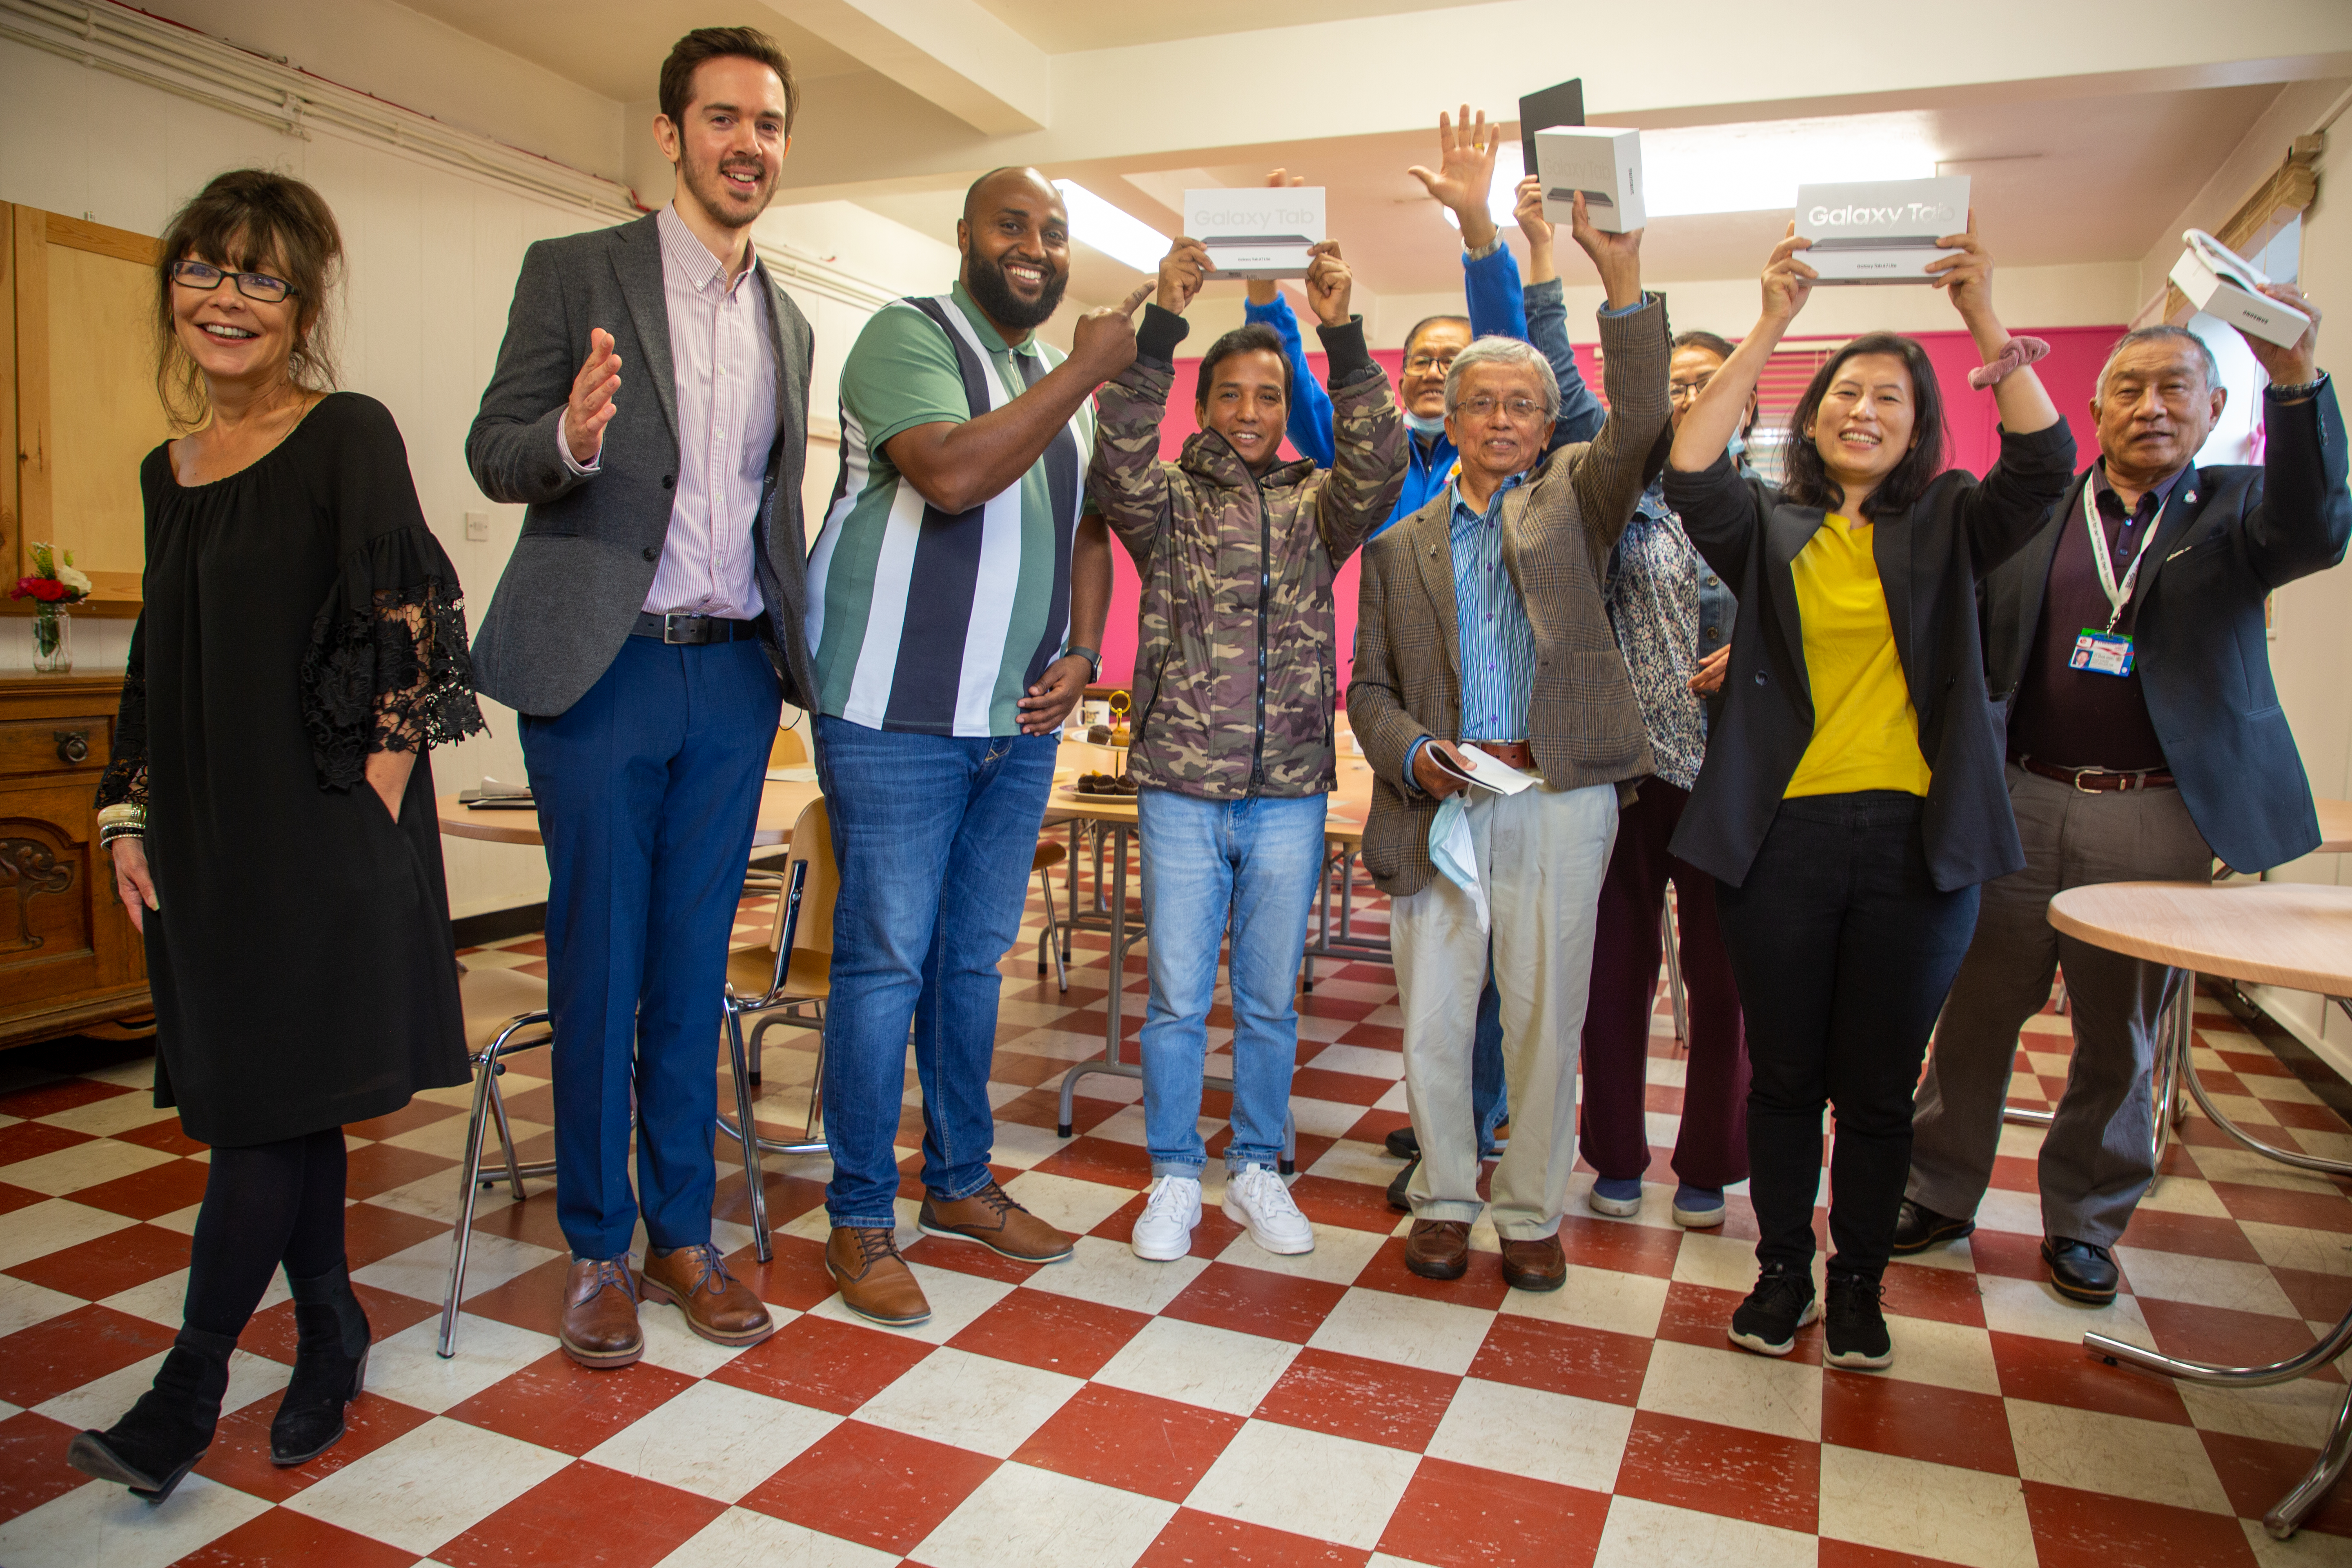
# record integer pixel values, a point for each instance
(1054, 940)
(785, 981)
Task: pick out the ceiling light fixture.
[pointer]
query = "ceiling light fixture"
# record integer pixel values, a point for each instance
(1752, 167)
(1114, 231)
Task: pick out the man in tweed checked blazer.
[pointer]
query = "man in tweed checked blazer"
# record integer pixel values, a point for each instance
(1482, 619)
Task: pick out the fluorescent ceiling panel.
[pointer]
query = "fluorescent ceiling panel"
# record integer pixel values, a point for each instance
(1114, 231)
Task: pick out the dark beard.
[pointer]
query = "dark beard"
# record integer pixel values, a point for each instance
(712, 190)
(992, 292)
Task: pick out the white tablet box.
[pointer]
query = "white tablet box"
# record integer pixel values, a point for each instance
(2227, 287)
(1603, 163)
(1258, 232)
(1880, 231)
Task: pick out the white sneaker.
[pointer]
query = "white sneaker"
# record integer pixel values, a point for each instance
(1163, 1231)
(1255, 1197)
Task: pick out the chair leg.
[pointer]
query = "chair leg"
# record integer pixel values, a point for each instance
(469, 1182)
(1289, 1160)
(506, 1136)
(752, 1178)
(1052, 928)
(1675, 977)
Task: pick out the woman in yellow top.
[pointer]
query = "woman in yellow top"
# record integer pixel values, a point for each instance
(1853, 796)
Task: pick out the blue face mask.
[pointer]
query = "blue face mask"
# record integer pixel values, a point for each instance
(1454, 856)
(1736, 446)
(1423, 425)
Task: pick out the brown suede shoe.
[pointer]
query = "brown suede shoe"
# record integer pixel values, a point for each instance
(992, 1219)
(1536, 1264)
(718, 1306)
(599, 1314)
(875, 1281)
(1438, 1248)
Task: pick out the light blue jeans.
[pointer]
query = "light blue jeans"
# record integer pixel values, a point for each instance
(1207, 864)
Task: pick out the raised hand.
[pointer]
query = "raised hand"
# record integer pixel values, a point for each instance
(1530, 214)
(1466, 170)
(1103, 342)
(1617, 256)
(591, 406)
(1966, 279)
(1788, 279)
(1329, 284)
(2298, 364)
(1180, 272)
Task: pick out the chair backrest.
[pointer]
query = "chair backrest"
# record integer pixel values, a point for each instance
(811, 929)
(791, 748)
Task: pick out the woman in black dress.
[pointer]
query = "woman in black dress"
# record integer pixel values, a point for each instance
(269, 807)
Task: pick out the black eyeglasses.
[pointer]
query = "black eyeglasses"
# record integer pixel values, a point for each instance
(258, 286)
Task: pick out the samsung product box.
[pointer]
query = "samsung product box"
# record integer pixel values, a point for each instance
(1256, 232)
(2226, 285)
(1606, 164)
(1880, 231)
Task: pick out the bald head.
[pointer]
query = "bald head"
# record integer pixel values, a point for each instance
(1015, 239)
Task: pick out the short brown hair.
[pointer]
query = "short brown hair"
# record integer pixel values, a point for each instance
(251, 220)
(721, 43)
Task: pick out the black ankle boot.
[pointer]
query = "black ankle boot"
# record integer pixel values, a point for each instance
(330, 1365)
(153, 1448)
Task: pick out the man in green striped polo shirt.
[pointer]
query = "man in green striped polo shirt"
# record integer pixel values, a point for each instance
(954, 608)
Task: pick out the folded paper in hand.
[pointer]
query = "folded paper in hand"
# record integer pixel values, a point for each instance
(1487, 771)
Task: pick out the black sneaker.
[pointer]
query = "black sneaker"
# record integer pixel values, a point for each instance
(1918, 1228)
(1402, 1144)
(1399, 1183)
(1781, 1303)
(1856, 1330)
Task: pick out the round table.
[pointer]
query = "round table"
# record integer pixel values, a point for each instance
(781, 805)
(2290, 934)
(2335, 826)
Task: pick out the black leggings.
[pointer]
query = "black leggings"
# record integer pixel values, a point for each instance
(264, 1205)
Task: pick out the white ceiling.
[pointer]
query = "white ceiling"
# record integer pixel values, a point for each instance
(1064, 27)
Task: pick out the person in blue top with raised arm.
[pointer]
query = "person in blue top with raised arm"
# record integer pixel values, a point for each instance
(1490, 280)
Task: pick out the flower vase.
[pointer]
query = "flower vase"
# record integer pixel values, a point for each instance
(52, 641)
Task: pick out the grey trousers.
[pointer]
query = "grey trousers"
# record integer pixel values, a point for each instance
(2094, 1158)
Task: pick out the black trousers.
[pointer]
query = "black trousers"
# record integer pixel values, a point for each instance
(1845, 950)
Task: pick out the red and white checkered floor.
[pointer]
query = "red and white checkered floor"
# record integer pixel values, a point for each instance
(1233, 1407)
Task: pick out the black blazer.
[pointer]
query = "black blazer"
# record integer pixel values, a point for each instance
(590, 546)
(1929, 558)
(2231, 533)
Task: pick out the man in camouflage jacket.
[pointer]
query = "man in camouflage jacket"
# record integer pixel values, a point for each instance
(1235, 682)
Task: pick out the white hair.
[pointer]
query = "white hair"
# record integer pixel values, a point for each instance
(1494, 349)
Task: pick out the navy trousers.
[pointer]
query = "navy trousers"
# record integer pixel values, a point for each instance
(648, 789)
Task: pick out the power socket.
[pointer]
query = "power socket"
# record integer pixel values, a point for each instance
(478, 527)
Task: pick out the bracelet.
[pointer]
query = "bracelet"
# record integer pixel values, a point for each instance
(114, 830)
(122, 812)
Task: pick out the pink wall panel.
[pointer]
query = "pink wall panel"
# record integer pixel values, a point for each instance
(2070, 373)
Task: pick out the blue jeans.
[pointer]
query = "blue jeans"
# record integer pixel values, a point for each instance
(933, 835)
(1488, 1102)
(648, 789)
(1206, 863)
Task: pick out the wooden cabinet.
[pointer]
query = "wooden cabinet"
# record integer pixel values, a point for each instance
(70, 958)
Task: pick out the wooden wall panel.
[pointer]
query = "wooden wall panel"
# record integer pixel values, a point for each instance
(104, 414)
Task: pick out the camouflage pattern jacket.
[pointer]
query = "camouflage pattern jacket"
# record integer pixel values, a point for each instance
(1236, 675)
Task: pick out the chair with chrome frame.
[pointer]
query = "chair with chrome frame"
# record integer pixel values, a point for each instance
(501, 1005)
(785, 981)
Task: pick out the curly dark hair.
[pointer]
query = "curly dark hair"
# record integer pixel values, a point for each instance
(251, 220)
(1809, 483)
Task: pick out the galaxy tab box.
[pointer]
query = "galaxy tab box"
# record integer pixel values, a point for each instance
(1601, 163)
(1256, 232)
(1880, 231)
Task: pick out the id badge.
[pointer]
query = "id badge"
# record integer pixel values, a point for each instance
(2101, 653)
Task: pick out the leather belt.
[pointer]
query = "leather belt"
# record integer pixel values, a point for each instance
(1510, 754)
(2097, 781)
(680, 627)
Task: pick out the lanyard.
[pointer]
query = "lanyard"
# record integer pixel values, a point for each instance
(2118, 594)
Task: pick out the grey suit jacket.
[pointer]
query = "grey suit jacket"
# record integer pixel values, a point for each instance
(1584, 724)
(590, 544)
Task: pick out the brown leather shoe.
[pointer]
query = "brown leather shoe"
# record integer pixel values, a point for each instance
(875, 1281)
(1538, 1264)
(1438, 1248)
(599, 1314)
(992, 1219)
(719, 1307)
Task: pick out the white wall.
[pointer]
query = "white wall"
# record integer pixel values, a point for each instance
(431, 260)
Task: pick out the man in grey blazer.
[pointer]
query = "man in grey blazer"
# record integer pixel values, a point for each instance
(645, 628)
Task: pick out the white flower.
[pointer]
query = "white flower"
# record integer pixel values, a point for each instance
(73, 577)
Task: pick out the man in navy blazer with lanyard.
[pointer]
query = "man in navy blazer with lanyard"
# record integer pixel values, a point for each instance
(2144, 739)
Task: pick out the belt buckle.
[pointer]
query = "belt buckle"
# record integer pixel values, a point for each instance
(2082, 773)
(670, 628)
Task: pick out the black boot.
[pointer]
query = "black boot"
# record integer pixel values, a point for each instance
(152, 1449)
(331, 1351)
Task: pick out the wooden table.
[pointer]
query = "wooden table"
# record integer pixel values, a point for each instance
(781, 805)
(2335, 826)
(2290, 934)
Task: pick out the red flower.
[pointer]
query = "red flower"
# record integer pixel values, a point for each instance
(48, 590)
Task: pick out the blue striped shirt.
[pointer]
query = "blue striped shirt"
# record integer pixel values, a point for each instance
(1498, 645)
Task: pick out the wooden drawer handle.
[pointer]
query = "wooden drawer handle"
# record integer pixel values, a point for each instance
(73, 746)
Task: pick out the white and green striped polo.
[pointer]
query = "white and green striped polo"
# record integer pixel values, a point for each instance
(925, 621)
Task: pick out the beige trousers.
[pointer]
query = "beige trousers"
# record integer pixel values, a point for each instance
(1541, 855)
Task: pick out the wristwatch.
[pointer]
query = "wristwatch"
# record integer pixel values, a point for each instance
(1094, 661)
(2301, 393)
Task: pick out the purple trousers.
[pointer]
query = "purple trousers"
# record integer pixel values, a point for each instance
(1711, 1149)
